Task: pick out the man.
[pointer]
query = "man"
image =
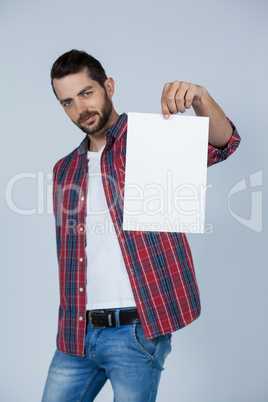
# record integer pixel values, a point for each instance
(122, 293)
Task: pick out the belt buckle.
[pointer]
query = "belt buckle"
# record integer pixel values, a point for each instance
(90, 318)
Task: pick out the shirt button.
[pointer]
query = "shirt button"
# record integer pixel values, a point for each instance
(81, 229)
(81, 289)
(82, 198)
(80, 318)
(81, 259)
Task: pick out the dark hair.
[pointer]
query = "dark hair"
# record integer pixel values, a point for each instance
(73, 62)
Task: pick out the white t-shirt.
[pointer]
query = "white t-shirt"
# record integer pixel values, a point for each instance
(108, 283)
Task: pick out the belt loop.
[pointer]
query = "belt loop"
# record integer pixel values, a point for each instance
(117, 320)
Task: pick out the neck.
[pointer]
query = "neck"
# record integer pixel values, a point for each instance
(97, 140)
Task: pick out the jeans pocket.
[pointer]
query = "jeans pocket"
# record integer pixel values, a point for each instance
(148, 347)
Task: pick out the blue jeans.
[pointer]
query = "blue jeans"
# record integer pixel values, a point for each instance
(123, 355)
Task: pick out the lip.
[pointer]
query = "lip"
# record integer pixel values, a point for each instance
(88, 119)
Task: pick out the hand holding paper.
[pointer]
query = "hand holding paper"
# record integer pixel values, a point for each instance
(179, 96)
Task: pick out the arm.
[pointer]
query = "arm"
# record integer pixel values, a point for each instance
(179, 96)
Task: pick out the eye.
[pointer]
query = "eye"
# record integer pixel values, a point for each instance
(87, 93)
(66, 103)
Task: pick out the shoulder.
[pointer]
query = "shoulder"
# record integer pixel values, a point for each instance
(63, 164)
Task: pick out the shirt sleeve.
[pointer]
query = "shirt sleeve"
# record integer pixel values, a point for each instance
(216, 155)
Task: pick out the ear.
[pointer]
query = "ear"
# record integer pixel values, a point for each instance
(109, 85)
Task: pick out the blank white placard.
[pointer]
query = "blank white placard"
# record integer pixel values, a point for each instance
(166, 170)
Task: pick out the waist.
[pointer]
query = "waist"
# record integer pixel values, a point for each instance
(110, 318)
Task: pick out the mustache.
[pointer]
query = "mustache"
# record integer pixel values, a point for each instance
(85, 116)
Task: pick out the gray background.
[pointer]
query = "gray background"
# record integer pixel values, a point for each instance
(221, 45)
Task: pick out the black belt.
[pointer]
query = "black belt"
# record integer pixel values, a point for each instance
(103, 319)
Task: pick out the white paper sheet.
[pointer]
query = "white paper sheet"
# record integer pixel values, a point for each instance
(165, 177)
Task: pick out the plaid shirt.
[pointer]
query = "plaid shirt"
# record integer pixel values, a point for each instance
(159, 264)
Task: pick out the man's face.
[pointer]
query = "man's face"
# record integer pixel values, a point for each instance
(86, 103)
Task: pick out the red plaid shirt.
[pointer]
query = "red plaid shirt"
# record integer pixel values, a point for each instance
(159, 264)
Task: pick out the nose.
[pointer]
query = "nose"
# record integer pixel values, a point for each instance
(80, 106)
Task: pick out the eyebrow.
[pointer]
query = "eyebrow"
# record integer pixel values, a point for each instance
(79, 93)
(85, 89)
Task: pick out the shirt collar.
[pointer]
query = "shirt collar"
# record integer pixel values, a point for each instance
(117, 130)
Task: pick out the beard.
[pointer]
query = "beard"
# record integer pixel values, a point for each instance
(102, 117)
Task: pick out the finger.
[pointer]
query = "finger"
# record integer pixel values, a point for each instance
(189, 97)
(194, 93)
(181, 96)
(164, 106)
(168, 97)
